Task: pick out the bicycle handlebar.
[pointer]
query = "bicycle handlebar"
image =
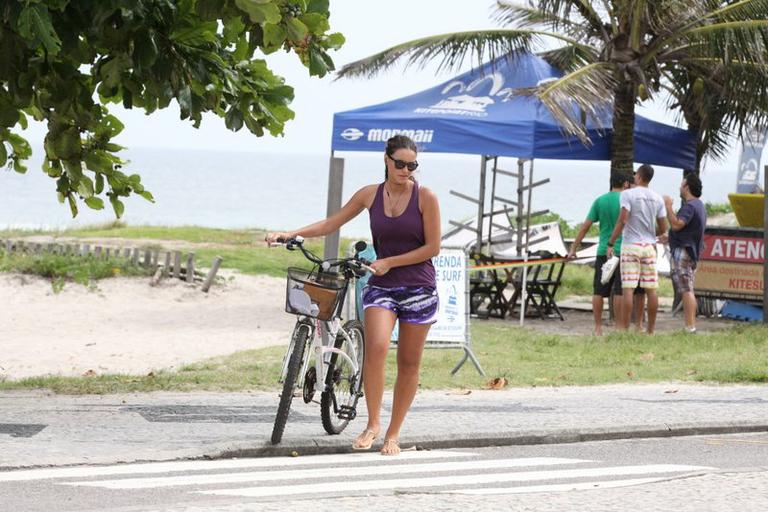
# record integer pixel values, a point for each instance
(298, 241)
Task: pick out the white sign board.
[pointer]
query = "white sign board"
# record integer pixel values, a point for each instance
(450, 273)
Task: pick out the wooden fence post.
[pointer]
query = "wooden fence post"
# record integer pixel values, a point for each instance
(212, 273)
(191, 267)
(167, 266)
(176, 264)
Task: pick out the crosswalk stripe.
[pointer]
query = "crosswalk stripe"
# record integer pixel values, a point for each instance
(358, 471)
(208, 465)
(476, 479)
(577, 486)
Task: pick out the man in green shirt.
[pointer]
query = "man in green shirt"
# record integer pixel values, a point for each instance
(605, 211)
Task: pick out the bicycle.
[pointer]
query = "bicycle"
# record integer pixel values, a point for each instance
(317, 298)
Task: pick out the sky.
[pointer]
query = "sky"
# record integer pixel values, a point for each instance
(368, 27)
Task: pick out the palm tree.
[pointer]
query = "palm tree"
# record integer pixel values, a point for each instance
(612, 53)
(718, 105)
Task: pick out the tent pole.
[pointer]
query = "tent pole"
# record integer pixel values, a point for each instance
(481, 205)
(335, 188)
(520, 204)
(493, 201)
(528, 206)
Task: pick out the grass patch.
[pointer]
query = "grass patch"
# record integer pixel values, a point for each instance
(242, 250)
(577, 280)
(522, 356)
(61, 269)
(717, 208)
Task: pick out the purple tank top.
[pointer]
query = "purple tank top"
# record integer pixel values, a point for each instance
(398, 235)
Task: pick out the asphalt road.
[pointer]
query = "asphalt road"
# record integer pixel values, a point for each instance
(717, 473)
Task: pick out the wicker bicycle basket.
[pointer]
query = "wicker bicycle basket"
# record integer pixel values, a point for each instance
(321, 297)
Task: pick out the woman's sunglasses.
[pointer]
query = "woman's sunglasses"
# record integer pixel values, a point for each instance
(401, 164)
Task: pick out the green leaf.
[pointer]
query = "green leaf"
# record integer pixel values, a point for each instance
(317, 65)
(99, 183)
(67, 144)
(62, 186)
(319, 6)
(117, 206)
(52, 168)
(85, 187)
(233, 30)
(297, 30)
(209, 9)
(274, 36)
(146, 194)
(233, 119)
(9, 115)
(95, 203)
(72, 205)
(19, 166)
(260, 11)
(98, 161)
(316, 23)
(196, 35)
(34, 24)
(112, 125)
(145, 50)
(335, 41)
(112, 70)
(3, 154)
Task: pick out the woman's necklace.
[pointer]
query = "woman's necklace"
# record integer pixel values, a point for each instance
(393, 207)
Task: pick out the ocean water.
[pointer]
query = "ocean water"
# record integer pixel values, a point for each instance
(287, 191)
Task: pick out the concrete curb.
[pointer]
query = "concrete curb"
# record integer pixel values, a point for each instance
(562, 436)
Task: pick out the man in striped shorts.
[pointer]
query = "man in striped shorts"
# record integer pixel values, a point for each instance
(641, 219)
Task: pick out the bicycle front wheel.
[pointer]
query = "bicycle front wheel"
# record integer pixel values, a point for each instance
(299, 342)
(338, 401)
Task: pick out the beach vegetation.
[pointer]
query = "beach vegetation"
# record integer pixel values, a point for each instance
(522, 356)
(244, 250)
(708, 57)
(64, 268)
(63, 62)
(713, 209)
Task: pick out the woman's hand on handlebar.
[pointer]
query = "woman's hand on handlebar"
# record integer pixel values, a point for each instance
(277, 238)
(380, 267)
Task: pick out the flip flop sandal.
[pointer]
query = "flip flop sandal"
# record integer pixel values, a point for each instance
(367, 435)
(389, 444)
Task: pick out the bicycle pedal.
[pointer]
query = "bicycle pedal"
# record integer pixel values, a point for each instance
(347, 413)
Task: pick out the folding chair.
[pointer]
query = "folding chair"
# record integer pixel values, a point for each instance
(543, 286)
(486, 290)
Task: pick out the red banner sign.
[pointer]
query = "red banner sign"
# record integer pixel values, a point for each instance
(732, 248)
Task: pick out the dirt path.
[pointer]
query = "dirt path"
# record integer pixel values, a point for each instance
(127, 326)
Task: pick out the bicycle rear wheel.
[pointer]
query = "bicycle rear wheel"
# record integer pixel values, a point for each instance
(299, 342)
(338, 401)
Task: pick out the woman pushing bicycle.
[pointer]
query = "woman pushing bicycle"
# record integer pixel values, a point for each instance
(405, 227)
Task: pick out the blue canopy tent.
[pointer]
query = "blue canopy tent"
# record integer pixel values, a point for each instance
(479, 113)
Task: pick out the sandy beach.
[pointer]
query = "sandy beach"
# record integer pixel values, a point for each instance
(127, 326)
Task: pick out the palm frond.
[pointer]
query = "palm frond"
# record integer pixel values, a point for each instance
(522, 16)
(730, 99)
(584, 93)
(567, 9)
(451, 50)
(568, 58)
